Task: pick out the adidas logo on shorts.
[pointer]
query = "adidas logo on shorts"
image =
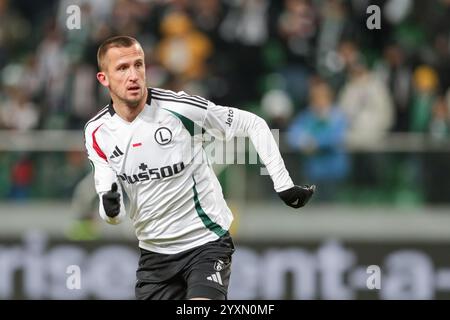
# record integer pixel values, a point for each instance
(215, 277)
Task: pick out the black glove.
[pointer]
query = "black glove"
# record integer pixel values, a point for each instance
(297, 196)
(111, 201)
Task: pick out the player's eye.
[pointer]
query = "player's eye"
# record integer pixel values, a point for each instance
(122, 68)
(138, 64)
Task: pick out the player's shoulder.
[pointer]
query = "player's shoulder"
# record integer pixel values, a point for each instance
(101, 116)
(178, 98)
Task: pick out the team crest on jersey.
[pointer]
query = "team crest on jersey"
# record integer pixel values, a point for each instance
(218, 265)
(163, 136)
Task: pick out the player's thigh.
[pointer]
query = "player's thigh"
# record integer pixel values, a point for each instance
(173, 289)
(209, 276)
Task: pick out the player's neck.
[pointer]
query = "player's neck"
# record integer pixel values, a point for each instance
(126, 112)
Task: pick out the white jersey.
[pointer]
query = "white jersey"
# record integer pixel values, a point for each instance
(176, 201)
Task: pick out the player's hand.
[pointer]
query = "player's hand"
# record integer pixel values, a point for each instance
(297, 196)
(111, 201)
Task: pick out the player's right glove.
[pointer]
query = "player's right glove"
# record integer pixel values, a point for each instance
(111, 201)
(297, 196)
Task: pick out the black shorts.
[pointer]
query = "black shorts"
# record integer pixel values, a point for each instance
(199, 272)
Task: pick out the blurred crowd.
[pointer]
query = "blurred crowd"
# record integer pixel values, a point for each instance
(311, 68)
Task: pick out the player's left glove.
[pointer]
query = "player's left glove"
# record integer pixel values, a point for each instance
(297, 196)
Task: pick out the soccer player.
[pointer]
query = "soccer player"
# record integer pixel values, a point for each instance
(141, 143)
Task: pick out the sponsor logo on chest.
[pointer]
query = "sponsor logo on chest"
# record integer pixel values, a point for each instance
(149, 174)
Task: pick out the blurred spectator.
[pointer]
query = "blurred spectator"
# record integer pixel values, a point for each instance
(244, 30)
(439, 127)
(246, 22)
(277, 108)
(440, 60)
(434, 15)
(334, 26)
(31, 80)
(21, 178)
(128, 16)
(426, 83)
(396, 11)
(18, 112)
(13, 32)
(297, 27)
(367, 103)
(83, 94)
(207, 16)
(53, 66)
(396, 73)
(183, 50)
(319, 133)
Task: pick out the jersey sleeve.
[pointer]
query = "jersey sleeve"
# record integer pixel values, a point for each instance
(199, 114)
(227, 122)
(104, 175)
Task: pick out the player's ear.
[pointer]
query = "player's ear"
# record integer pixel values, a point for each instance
(102, 78)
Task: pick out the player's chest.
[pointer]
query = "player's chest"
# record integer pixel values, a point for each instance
(152, 144)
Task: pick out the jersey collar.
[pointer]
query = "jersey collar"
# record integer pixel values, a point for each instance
(111, 109)
(149, 96)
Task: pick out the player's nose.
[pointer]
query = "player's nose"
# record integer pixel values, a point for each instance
(133, 74)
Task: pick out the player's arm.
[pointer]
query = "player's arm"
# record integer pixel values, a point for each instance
(227, 122)
(111, 206)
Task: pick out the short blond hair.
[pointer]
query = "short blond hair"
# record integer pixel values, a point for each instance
(113, 42)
